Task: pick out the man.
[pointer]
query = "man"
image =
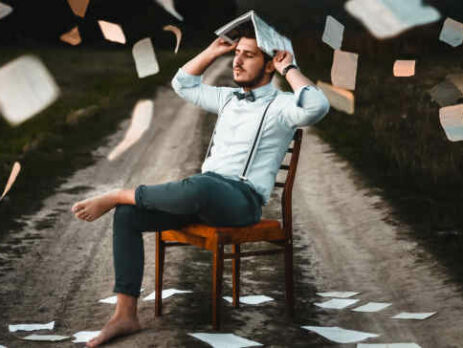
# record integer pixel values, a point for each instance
(228, 192)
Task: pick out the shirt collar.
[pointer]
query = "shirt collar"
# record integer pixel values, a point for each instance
(263, 91)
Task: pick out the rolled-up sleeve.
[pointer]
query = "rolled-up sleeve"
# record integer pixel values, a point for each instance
(306, 106)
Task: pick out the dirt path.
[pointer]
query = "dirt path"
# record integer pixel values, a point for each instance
(342, 243)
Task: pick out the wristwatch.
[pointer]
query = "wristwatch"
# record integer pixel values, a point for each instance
(288, 68)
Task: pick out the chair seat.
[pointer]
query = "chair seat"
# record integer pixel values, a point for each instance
(204, 235)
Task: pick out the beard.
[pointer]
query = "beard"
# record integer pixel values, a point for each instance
(255, 81)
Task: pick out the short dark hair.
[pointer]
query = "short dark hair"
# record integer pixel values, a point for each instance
(247, 30)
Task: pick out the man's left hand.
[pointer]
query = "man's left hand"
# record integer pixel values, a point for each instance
(281, 60)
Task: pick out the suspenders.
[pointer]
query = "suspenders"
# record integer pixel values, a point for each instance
(252, 151)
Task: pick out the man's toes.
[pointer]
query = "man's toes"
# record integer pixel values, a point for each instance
(77, 207)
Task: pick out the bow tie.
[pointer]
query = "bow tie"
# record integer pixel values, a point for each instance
(249, 96)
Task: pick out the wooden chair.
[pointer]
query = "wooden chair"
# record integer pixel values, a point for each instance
(215, 238)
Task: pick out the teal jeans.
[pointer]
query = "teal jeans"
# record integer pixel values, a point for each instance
(207, 198)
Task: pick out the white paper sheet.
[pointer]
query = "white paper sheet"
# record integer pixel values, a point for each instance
(79, 7)
(250, 300)
(404, 68)
(452, 32)
(169, 6)
(388, 18)
(344, 69)
(417, 316)
(5, 10)
(333, 33)
(112, 32)
(339, 294)
(178, 35)
(12, 178)
(166, 293)
(72, 37)
(336, 303)
(85, 336)
(340, 335)
(26, 88)
(451, 119)
(342, 100)
(372, 307)
(145, 58)
(388, 345)
(224, 340)
(46, 338)
(31, 327)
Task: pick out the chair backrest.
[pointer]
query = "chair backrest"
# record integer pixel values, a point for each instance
(286, 197)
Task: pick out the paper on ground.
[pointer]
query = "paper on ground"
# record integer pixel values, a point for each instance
(452, 32)
(404, 68)
(342, 100)
(251, 300)
(26, 88)
(224, 340)
(333, 33)
(46, 338)
(445, 93)
(372, 307)
(388, 345)
(112, 32)
(340, 335)
(31, 327)
(418, 316)
(72, 37)
(145, 58)
(388, 18)
(169, 6)
(344, 69)
(141, 120)
(85, 336)
(451, 119)
(79, 7)
(5, 10)
(336, 303)
(178, 35)
(339, 294)
(166, 293)
(13, 175)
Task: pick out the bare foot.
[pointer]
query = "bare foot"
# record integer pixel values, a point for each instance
(116, 326)
(92, 208)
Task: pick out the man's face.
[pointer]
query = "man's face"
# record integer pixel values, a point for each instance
(248, 64)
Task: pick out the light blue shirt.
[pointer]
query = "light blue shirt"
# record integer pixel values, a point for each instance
(237, 124)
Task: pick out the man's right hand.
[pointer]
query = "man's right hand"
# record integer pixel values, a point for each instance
(219, 47)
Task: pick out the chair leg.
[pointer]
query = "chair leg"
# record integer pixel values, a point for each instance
(160, 256)
(289, 280)
(236, 263)
(217, 272)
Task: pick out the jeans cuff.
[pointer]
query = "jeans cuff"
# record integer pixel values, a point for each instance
(126, 290)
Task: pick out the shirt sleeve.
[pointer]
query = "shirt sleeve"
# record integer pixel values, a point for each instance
(192, 89)
(306, 106)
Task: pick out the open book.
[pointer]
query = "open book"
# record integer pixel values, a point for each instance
(268, 39)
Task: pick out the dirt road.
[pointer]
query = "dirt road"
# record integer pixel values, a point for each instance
(58, 267)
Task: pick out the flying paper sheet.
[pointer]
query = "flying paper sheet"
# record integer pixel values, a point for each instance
(451, 119)
(26, 88)
(418, 316)
(333, 33)
(336, 303)
(13, 175)
(141, 120)
(445, 93)
(342, 100)
(457, 80)
(388, 345)
(372, 307)
(340, 335)
(178, 35)
(31, 327)
(169, 6)
(145, 58)
(46, 338)
(404, 68)
(452, 32)
(388, 18)
(340, 294)
(250, 300)
(5, 10)
(224, 340)
(79, 7)
(112, 32)
(85, 336)
(268, 39)
(166, 293)
(344, 69)
(72, 37)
